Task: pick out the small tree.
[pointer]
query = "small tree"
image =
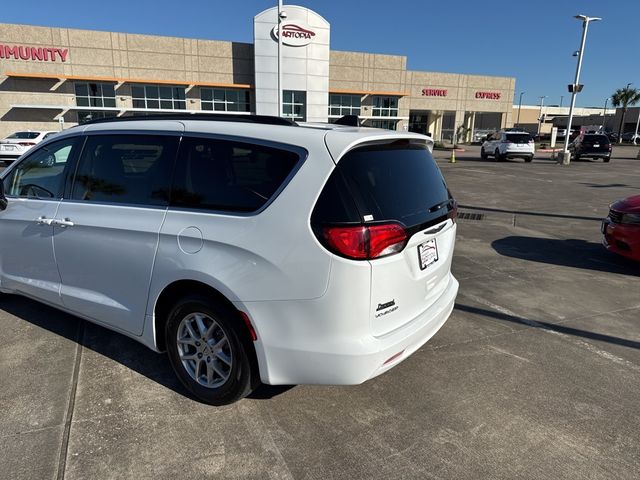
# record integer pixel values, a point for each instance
(624, 97)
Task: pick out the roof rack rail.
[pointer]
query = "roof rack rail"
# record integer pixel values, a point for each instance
(212, 117)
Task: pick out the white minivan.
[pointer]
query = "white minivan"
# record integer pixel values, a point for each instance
(248, 248)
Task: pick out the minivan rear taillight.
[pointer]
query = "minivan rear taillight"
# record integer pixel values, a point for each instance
(26, 144)
(365, 242)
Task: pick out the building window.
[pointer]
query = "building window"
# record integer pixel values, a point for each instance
(85, 116)
(158, 96)
(95, 95)
(294, 104)
(385, 106)
(225, 100)
(340, 105)
(386, 124)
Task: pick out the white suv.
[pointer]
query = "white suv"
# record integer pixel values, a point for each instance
(14, 145)
(249, 248)
(508, 144)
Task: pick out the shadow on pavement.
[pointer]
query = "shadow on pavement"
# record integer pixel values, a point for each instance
(535, 214)
(569, 253)
(115, 346)
(609, 185)
(576, 332)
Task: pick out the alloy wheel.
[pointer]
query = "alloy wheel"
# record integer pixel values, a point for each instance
(204, 350)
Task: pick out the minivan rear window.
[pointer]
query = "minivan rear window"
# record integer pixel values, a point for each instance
(399, 182)
(518, 137)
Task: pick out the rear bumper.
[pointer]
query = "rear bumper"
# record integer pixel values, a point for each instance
(606, 154)
(4, 157)
(518, 154)
(622, 239)
(325, 358)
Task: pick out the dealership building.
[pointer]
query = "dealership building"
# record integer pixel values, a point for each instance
(52, 78)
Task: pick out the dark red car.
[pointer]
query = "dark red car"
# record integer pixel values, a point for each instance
(621, 228)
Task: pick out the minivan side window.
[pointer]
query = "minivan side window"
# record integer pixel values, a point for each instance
(126, 169)
(41, 174)
(228, 175)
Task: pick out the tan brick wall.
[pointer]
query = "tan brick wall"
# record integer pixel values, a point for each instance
(108, 54)
(123, 55)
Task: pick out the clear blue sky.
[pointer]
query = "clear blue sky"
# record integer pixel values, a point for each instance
(530, 40)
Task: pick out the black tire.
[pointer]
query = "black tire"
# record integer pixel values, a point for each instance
(497, 156)
(606, 159)
(528, 159)
(483, 155)
(577, 158)
(243, 372)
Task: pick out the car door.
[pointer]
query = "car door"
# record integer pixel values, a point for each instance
(34, 188)
(109, 224)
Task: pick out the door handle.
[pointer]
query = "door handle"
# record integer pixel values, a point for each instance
(63, 223)
(45, 221)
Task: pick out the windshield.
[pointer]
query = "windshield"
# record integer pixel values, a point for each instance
(24, 135)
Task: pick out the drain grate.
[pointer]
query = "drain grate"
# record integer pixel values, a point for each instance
(471, 216)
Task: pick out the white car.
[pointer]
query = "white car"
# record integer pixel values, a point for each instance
(14, 145)
(249, 248)
(508, 144)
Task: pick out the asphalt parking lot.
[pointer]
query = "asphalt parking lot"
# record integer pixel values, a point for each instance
(536, 374)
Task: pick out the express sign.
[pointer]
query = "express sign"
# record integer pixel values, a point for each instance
(294, 35)
(42, 54)
(488, 95)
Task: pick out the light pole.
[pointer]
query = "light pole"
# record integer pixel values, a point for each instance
(566, 156)
(281, 16)
(624, 113)
(540, 115)
(561, 99)
(637, 125)
(519, 108)
(604, 114)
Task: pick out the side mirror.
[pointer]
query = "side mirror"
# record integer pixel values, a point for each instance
(3, 199)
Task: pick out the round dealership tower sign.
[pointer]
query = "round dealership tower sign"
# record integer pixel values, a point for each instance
(294, 34)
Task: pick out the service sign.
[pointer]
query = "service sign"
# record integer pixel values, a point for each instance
(294, 34)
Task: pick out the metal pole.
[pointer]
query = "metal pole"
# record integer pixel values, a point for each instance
(637, 125)
(624, 113)
(519, 108)
(565, 154)
(279, 13)
(540, 115)
(561, 99)
(604, 114)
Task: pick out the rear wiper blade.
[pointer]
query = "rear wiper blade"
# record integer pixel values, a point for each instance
(438, 206)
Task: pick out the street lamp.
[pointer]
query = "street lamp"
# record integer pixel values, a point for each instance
(540, 115)
(282, 15)
(566, 156)
(604, 114)
(624, 112)
(519, 108)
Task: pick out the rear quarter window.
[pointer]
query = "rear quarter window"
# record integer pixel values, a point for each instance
(231, 176)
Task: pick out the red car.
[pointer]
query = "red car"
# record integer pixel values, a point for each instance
(621, 228)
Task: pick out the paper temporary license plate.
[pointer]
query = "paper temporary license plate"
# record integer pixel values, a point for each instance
(428, 253)
(7, 147)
